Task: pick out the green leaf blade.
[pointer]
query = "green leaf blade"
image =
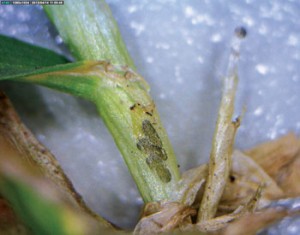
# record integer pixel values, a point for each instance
(20, 55)
(93, 35)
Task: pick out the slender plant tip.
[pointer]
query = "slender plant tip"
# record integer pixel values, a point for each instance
(223, 140)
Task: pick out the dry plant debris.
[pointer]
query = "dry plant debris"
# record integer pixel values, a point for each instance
(258, 176)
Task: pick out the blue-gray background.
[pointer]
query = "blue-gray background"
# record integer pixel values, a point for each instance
(181, 48)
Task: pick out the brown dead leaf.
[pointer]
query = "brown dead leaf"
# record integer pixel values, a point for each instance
(248, 190)
(216, 224)
(288, 178)
(162, 217)
(246, 176)
(275, 155)
(190, 187)
(251, 223)
(281, 160)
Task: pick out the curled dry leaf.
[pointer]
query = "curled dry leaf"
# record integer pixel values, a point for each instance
(162, 217)
(220, 222)
(275, 155)
(244, 179)
(259, 176)
(288, 178)
(191, 183)
(248, 187)
(281, 160)
(246, 176)
(251, 223)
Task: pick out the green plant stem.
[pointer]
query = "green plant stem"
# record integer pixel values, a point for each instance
(90, 31)
(123, 100)
(121, 96)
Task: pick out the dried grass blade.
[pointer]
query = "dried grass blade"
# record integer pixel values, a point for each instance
(223, 140)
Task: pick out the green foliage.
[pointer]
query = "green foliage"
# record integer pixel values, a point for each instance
(18, 57)
(90, 31)
(39, 214)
